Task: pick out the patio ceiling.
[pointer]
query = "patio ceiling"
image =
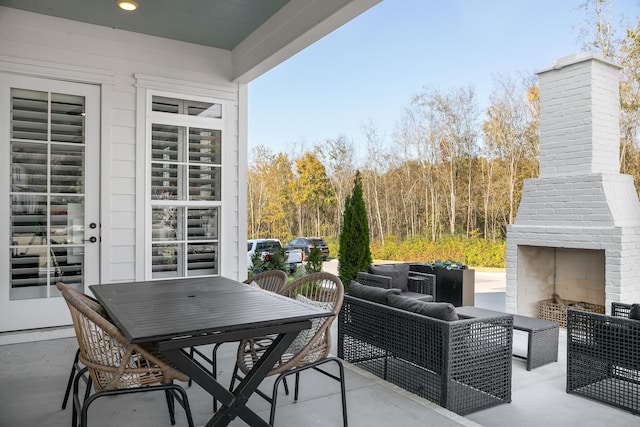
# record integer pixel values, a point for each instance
(222, 24)
(260, 34)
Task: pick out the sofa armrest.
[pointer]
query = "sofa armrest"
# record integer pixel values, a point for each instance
(376, 280)
(423, 283)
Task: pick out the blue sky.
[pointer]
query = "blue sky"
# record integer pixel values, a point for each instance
(369, 69)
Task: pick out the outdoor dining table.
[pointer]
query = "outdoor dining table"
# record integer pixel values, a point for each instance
(177, 314)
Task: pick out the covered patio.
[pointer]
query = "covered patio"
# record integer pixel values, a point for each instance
(33, 376)
(128, 77)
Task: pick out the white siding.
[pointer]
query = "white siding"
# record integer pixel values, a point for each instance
(125, 63)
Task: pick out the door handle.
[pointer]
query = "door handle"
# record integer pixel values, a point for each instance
(91, 239)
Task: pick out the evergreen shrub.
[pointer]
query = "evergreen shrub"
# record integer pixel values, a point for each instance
(354, 254)
(313, 263)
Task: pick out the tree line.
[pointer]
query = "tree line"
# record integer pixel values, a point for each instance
(449, 168)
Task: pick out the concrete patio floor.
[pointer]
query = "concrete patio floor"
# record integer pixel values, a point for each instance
(33, 376)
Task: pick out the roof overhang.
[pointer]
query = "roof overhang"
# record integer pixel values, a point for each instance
(295, 27)
(259, 34)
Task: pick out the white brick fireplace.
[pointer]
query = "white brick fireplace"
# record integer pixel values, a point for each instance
(577, 231)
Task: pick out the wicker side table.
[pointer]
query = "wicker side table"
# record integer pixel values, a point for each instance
(543, 335)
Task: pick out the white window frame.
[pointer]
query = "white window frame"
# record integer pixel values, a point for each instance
(151, 117)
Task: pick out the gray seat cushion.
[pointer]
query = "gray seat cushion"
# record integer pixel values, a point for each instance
(371, 293)
(418, 296)
(438, 310)
(399, 274)
(634, 313)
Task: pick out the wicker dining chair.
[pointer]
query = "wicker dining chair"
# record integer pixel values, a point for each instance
(311, 347)
(270, 280)
(76, 366)
(116, 366)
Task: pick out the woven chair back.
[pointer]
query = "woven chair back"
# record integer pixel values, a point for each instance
(113, 362)
(90, 301)
(272, 280)
(323, 290)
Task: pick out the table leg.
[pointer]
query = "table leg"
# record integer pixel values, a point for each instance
(543, 348)
(234, 403)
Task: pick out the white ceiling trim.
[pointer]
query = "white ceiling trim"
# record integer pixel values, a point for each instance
(36, 68)
(296, 26)
(205, 90)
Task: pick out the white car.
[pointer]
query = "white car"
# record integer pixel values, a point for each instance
(295, 257)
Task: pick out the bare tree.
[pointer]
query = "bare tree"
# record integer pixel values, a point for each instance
(375, 163)
(410, 182)
(451, 121)
(630, 86)
(510, 129)
(417, 131)
(597, 30)
(338, 156)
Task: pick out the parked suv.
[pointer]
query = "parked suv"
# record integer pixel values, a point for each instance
(307, 243)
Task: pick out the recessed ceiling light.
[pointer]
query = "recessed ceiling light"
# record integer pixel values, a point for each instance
(128, 5)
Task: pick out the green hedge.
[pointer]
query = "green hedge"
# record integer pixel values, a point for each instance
(473, 252)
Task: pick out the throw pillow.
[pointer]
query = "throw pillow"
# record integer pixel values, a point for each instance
(304, 336)
(634, 313)
(254, 284)
(371, 293)
(399, 274)
(439, 310)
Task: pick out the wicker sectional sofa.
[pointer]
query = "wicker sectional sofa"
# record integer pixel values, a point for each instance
(603, 356)
(463, 365)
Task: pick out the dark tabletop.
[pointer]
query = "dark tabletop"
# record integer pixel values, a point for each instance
(167, 309)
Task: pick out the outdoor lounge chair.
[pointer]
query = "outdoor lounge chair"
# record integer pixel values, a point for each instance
(311, 347)
(603, 356)
(114, 365)
(412, 284)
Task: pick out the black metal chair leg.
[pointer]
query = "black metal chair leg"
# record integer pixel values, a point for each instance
(297, 371)
(274, 400)
(213, 362)
(191, 356)
(172, 392)
(70, 382)
(185, 404)
(297, 387)
(74, 413)
(171, 406)
(76, 399)
(343, 391)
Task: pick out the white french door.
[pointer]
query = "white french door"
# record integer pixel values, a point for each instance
(49, 197)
